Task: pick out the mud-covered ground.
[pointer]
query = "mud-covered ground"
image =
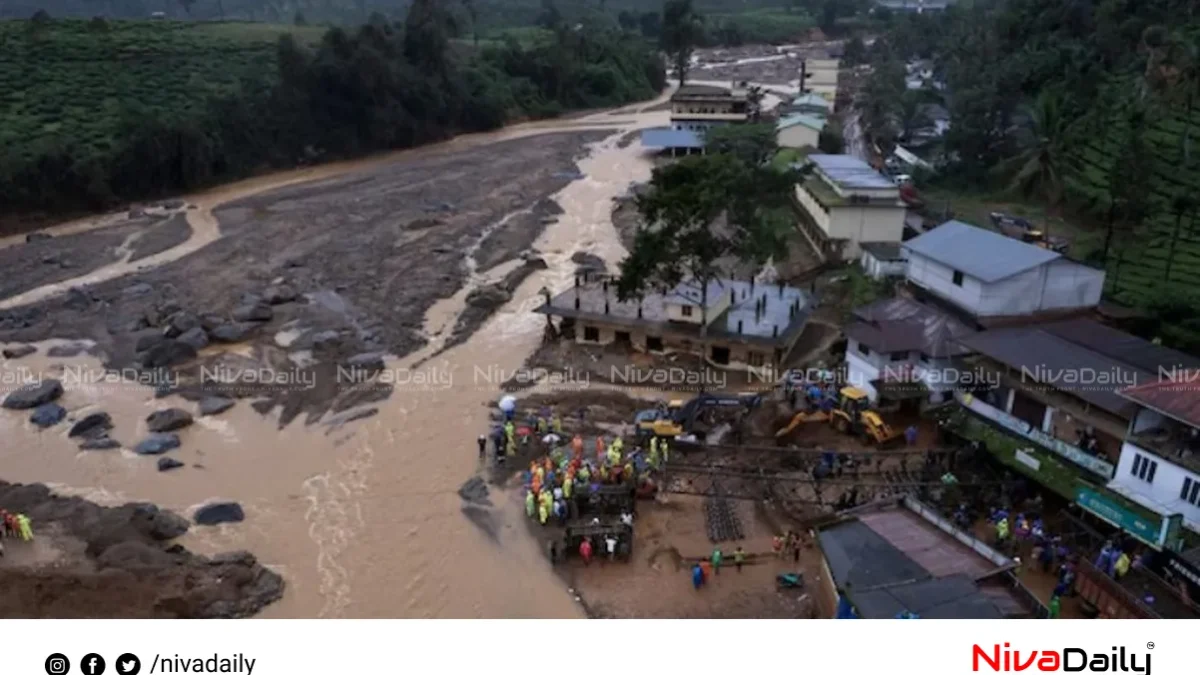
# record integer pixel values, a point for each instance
(356, 260)
(89, 561)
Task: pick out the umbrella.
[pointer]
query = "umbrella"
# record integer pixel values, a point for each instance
(524, 431)
(551, 439)
(508, 403)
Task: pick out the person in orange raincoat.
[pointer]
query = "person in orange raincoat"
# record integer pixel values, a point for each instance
(600, 449)
(577, 446)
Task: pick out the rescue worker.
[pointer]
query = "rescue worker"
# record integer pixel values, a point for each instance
(697, 576)
(666, 450)
(568, 484)
(510, 433)
(599, 448)
(27, 527)
(716, 560)
(629, 471)
(482, 447)
(739, 558)
(1055, 608)
(1121, 568)
(542, 427)
(556, 424)
(1002, 531)
(653, 454)
(585, 551)
(543, 513)
(577, 446)
(530, 503)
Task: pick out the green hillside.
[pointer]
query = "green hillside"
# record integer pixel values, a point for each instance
(76, 81)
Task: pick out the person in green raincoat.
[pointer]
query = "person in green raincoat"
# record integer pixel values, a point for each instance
(653, 455)
(556, 424)
(25, 526)
(530, 503)
(567, 485)
(666, 451)
(541, 426)
(717, 556)
(585, 474)
(1055, 607)
(543, 513)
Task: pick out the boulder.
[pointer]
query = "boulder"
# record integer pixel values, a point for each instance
(209, 322)
(196, 338)
(48, 414)
(180, 323)
(134, 290)
(167, 353)
(488, 297)
(170, 419)
(157, 444)
(219, 512)
(255, 312)
(215, 405)
(37, 236)
(232, 332)
(101, 443)
(33, 395)
(95, 425)
(69, 350)
(326, 339)
(19, 351)
(167, 463)
(148, 339)
(157, 523)
(77, 298)
(279, 294)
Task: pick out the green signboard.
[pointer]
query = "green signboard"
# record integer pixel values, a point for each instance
(1143, 528)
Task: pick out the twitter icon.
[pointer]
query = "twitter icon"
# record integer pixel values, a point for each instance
(128, 664)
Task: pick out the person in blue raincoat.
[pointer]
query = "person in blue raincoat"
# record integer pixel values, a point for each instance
(697, 576)
(845, 610)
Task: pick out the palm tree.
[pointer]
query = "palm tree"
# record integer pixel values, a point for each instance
(682, 27)
(1173, 74)
(1037, 167)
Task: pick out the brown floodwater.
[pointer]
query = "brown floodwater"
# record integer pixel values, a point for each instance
(363, 520)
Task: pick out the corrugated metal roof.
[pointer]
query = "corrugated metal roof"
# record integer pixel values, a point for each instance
(813, 100)
(1122, 346)
(983, 254)
(814, 123)
(671, 138)
(1178, 397)
(955, 597)
(850, 172)
(861, 557)
(904, 324)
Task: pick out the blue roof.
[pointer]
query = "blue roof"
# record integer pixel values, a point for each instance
(850, 172)
(671, 138)
(986, 255)
(814, 123)
(814, 100)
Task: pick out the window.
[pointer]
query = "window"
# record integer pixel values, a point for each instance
(899, 356)
(756, 359)
(591, 334)
(1143, 468)
(958, 278)
(654, 344)
(687, 310)
(1190, 492)
(863, 349)
(925, 359)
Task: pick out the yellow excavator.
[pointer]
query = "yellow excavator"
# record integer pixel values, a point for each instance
(853, 415)
(679, 418)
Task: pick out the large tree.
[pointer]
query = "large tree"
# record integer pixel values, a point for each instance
(1037, 169)
(682, 28)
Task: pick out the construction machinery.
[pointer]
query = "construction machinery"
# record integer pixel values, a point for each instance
(853, 415)
(799, 420)
(1023, 230)
(694, 417)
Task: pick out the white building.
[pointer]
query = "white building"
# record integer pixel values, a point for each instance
(883, 259)
(799, 131)
(822, 77)
(990, 275)
(845, 202)
(900, 348)
(1160, 459)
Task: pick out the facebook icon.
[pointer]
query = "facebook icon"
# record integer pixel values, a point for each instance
(92, 664)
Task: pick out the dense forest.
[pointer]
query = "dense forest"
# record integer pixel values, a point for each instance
(97, 112)
(1086, 106)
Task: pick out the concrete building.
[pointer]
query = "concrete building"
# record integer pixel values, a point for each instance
(883, 259)
(799, 131)
(822, 77)
(991, 276)
(1160, 460)
(901, 349)
(694, 110)
(846, 203)
(884, 559)
(749, 325)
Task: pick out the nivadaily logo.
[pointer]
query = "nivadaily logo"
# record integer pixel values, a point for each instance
(1004, 659)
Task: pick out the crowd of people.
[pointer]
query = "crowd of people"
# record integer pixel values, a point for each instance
(704, 570)
(14, 526)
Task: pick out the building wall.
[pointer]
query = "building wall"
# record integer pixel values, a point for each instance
(814, 209)
(798, 136)
(716, 307)
(741, 357)
(1070, 285)
(1163, 492)
(703, 109)
(1018, 294)
(865, 223)
(939, 280)
(879, 269)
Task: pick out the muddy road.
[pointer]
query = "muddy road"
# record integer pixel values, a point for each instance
(383, 256)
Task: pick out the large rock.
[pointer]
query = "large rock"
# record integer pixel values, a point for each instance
(101, 443)
(69, 350)
(48, 414)
(326, 339)
(95, 425)
(196, 338)
(167, 463)
(157, 444)
(232, 332)
(166, 354)
(157, 523)
(33, 395)
(209, 322)
(148, 339)
(170, 419)
(219, 512)
(37, 236)
(279, 294)
(256, 312)
(180, 323)
(215, 405)
(488, 297)
(19, 351)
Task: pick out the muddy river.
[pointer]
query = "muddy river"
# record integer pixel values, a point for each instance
(362, 520)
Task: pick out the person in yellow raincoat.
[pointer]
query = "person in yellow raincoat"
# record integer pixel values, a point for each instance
(585, 475)
(629, 472)
(666, 451)
(530, 503)
(653, 460)
(543, 513)
(541, 426)
(556, 424)
(568, 483)
(654, 444)
(25, 526)
(603, 473)
(619, 444)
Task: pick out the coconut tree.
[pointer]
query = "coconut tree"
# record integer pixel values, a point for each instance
(1036, 169)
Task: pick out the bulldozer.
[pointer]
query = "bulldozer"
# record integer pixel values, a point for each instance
(855, 416)
(679, 418)
(799, 420)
